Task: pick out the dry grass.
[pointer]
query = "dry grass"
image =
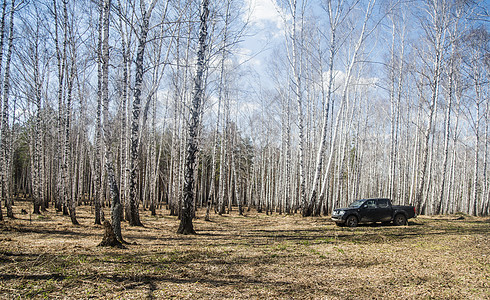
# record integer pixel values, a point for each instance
(253, 256)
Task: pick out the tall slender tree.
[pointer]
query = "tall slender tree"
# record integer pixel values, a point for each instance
(116, 207)
(436, 30)
(5, 131)
(186, 226)
(134, 218)
(99, 152)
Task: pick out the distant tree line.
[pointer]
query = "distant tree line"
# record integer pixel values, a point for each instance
(377, 99)
(102, 100)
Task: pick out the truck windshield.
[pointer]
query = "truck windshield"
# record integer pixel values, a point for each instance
(356, 204)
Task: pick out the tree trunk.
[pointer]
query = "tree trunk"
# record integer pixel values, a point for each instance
(475, 184)
(485, 197)
(72, 204)
(116, 207)
(98, 131)
(439, 36)
(37, 155)
(296, 68)
(222, 162)
(110, 239)
(134, 218)
(61, 65)
(5, 131)
(353, 60)
(2, 37)
(447, 127)
(186, 226)
(126, 36)
(334, 19)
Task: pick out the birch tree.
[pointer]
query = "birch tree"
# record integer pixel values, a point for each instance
(116, 207)
(295, 62)
(396, 86)
(144, 26)
(66, 170)
(336, 15)
(2, 36)
(99, 147)
(436, 31)
(477, 68)
(5, 130)
(222, 165)
(363, 34)
(186, 226)
(451, 87)
(31, 70)
(61, 68)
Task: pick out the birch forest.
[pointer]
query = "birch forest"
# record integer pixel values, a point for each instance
(157, 105)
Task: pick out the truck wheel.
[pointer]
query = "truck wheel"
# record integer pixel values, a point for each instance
(400, 220)
(351, 221)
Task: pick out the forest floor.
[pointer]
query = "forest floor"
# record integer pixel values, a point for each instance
(244, 257)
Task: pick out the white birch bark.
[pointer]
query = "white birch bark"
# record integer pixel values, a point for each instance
(451, 74)
(66, 174)
(334, 20)
(186, 226)
(296, 80)
(211, 194)
(451, 189)
(357, 47)
(485, 197)
(126, 38)
(394, 116)
(474, 209)
(99, 151)
(37, 136)
(236, 178)
(437, 20)
(5, 130)
(223, 174)
(61, 66)
(134, 219)
(116, 207)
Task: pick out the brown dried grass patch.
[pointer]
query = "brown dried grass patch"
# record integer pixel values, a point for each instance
(253, 256)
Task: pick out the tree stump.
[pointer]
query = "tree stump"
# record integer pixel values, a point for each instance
(110, 239)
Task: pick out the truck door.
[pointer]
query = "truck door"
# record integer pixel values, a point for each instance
(367, 211)
(383, 211)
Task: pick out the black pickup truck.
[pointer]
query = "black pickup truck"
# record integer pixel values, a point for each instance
(373, 210)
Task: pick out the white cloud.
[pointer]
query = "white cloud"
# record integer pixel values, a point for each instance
(266, 29)
(263, 12)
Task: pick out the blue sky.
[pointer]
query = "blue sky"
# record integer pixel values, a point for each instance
(266, 29)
